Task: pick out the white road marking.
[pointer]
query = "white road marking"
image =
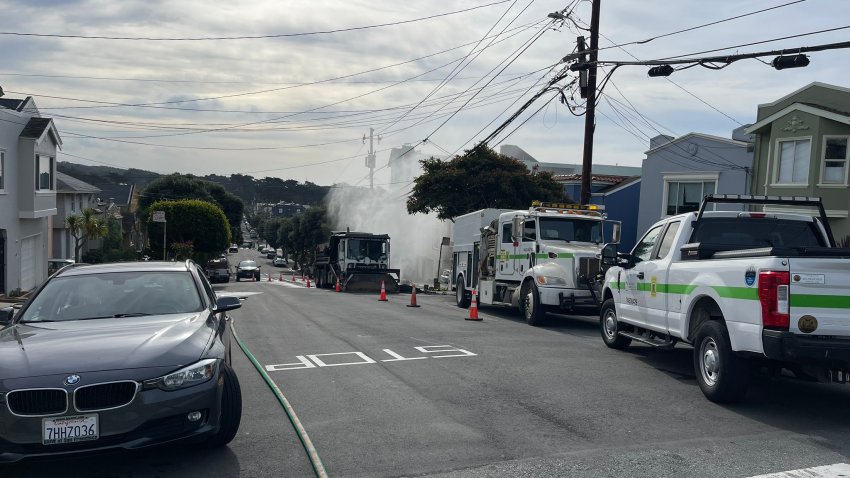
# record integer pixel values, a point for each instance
(448, 348)
(302, 363)
(313, 360)
(320, 363)
(399, 357)
(829, 471)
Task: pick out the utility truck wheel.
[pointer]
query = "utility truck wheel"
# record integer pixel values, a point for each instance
(610, 327)
(722, 375)
(532, 309)
(462, 298)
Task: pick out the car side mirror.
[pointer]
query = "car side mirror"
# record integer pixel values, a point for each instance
(609, 255)
(625, 260)
(6, 316)
(616, 232)
(516, 228)
(223, 304)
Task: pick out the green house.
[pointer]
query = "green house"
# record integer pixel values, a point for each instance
(801, 150)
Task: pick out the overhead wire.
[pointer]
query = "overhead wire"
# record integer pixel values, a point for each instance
(252, 37)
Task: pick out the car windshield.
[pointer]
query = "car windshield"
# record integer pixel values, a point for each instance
(245, 264)
(580, 230)
(114, 295)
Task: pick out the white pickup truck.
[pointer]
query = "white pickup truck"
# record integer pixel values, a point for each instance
(740, 287)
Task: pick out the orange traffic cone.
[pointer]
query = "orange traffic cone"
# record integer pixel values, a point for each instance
(280, 277)
(473, 307)
(270, 276)
(413, 298)
(383, 297)
(308, 282)
(253, 278)
(338, 288)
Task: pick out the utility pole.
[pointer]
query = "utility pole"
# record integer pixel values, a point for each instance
(370, 158)
(590, 113)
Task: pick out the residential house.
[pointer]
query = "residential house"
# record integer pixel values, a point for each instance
(28, 145)
(563, 168)
(287, 209)
(678, 172)
(72, 197)
(116, 200)
(801, 149)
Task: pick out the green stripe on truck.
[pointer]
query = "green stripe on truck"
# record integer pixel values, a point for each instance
(821, 301)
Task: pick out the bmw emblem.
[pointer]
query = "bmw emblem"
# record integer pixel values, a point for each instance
(72, 379)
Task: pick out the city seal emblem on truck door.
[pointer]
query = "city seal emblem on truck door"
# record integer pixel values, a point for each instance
(750, 276)
(807, 324)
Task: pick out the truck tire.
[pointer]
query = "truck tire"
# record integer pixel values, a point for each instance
(463, 299)
(610, 327)
(532, 309)
(722, 376)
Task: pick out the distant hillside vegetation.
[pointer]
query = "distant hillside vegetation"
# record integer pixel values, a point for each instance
(249, 189)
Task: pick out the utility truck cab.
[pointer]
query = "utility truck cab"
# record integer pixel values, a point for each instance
(539, 260)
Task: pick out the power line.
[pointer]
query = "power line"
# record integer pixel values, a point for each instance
(641, 42)
(158, 105)
(252, 37)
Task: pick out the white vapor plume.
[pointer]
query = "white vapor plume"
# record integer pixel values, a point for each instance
(415, 239)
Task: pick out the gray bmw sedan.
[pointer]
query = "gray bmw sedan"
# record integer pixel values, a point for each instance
(123, 355)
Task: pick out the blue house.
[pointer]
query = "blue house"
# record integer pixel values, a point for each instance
(678, 172)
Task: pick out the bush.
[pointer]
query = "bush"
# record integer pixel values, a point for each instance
(94, 256)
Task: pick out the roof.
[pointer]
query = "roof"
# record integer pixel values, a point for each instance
(12, 104)
(35, 127)
(121, 193)
(65, 183)
(703, 136)
(135, 266)
(616, 187)
(800, 90)
(598, 178)
(817, 110)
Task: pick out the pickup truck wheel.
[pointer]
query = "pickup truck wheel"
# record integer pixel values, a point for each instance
(463, 300)
(532, 308)
(610, 327)
(722, 376)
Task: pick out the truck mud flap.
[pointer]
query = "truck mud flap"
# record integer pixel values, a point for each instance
(370, 282)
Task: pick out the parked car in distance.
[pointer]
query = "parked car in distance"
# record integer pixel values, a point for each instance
(118, 356)
(279, 262)
(271, 254)
(247, 270)
(233, 249)
(218, 270)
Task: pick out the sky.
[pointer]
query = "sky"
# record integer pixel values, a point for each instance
(243, 105)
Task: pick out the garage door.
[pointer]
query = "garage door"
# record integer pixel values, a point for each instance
(28, 263)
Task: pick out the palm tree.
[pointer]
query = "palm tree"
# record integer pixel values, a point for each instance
(85, 227)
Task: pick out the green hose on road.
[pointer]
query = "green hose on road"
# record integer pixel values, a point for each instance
(315, 461)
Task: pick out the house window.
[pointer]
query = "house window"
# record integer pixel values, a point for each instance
(685, 196)
(793, 163)
(44, 173)
(834, 160)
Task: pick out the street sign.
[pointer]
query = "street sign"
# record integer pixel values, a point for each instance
(159, 216)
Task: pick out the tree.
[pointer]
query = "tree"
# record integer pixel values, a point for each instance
(184, 186)
(480, 178)
(189, 220)
(85, 227)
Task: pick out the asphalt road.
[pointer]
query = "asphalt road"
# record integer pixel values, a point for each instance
(388, 390)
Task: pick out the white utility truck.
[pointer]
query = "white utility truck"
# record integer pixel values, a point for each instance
(545, 258)
(744, 288)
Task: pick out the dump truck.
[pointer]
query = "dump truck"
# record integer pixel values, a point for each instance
(360, 261)
(538, 260)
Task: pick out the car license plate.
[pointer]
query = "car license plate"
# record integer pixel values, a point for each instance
(75, 429)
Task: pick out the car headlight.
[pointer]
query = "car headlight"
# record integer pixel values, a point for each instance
(197, 373)
(549, 280)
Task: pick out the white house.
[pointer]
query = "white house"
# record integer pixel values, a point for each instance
(28, 144)
(72, 197)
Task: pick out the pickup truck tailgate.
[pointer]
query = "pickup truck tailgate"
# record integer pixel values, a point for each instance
(820, 296)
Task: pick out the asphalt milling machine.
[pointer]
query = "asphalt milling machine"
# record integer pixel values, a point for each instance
(360, 261)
